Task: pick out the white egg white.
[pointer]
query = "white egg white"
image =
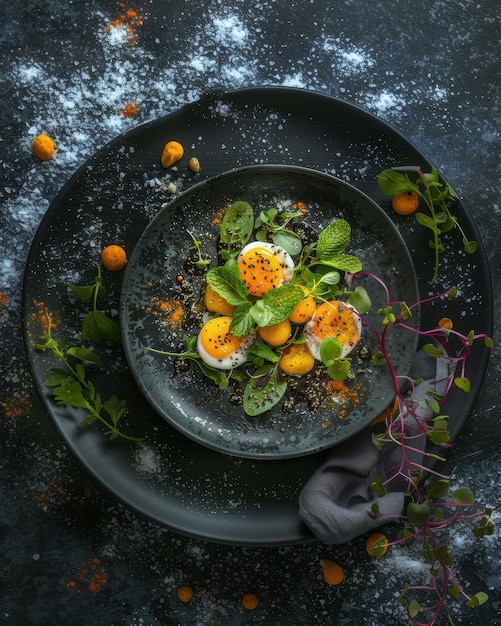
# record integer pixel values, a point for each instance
(231, 361)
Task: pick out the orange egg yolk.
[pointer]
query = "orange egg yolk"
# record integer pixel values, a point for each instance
(217, 340)
(334, 319)
(261, 270)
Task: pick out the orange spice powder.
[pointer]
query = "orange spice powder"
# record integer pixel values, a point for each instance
(40, 319)
(91, 575)
(16, 406)
(345, 397)
(46, 497)
(169, 312)
(129, 110)
(130, 20)
(4, 301)
(218, 216)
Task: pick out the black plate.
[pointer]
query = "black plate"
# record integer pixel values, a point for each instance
(195, 405)
(169, 478)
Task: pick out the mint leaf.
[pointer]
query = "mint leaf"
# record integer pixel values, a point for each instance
(226, 281)
(333, 240)
(276, 305)
(344, 262)
(242, 322)
(263, 351)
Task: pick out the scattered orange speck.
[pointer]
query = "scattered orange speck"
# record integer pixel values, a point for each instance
(39, 317)
(90, 575)
(130, 20)
(4, 301)
(49, 495)
(170, 312)
(16, 405)
(129, 110)
(345, 397)
(218, 216)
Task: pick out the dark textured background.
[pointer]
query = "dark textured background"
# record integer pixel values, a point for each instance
(434, 74)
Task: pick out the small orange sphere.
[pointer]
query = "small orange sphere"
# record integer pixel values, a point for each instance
(446, 323)
(405, 203)
(43, 147)
(302, 312)
(114, 258)
(276, 334)
(184, 593)
(249, 601)
(297, 360)
(376, 544)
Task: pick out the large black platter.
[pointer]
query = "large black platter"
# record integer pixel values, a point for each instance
(169, 478)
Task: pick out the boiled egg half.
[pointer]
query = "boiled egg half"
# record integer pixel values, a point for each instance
(264, 266)
(333, 319)
(219, 348)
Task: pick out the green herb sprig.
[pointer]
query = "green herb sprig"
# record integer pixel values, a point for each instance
(96, 326)
(439, 199)
(70, 383)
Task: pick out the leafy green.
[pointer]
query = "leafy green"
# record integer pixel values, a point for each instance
(237, 225)
(200, 262)
(276, 305)
(263, 391)
(274, 224)
(226, 281)
(439, 199)
(330, 248)
(71, 386)
(96, 325)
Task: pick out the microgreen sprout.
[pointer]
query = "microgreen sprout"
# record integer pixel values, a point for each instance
(200, 262)
(439, 199)
(427, 512)
(275, 225)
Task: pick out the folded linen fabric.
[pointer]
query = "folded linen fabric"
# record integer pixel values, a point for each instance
(336, 502)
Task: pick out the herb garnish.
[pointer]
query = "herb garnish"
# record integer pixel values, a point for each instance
(318, 267)
(71, 385)
(439, 199)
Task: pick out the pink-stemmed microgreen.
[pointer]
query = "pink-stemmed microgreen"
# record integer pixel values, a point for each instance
(428, 509)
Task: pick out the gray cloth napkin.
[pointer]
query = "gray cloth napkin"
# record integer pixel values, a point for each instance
(336, 501)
